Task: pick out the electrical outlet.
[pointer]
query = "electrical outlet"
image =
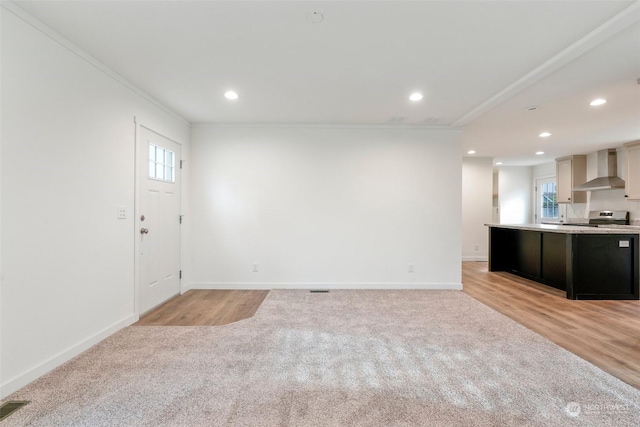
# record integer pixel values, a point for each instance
(410, 268)
(255, 268)
(122, 212)
(477, 247)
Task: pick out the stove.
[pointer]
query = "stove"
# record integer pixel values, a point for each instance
(604, 218)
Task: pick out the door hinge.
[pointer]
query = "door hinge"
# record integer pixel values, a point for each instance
(181, 161)
(180, 276)
(180, 218)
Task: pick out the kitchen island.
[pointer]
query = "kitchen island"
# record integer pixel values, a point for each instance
(586, 262)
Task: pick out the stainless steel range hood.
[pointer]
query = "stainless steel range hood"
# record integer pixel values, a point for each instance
(607, 173)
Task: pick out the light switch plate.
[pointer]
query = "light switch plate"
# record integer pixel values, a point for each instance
(122, 212)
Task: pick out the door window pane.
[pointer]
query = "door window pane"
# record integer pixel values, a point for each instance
(161, 164)
(549, 201)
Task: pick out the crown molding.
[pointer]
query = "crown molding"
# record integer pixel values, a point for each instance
(205, 125)
(16, 10)
(613, 26)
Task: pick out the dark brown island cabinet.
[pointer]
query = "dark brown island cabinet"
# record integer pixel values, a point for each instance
(587, 263)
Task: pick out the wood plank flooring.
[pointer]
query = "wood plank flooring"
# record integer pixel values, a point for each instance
(605, 333)
(205, 308)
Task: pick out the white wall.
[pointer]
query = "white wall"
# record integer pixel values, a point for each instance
(67, 163)
(515, 185)
(324, 206)
(477, 192)
(544, 170)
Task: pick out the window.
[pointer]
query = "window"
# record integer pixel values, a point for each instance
(547, 197)
(161, 164)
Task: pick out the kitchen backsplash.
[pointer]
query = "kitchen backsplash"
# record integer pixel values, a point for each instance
(602, 200)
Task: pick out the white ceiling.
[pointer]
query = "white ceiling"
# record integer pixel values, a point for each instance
(478, 63)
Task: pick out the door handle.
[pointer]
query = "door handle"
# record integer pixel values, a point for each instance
(144, 231)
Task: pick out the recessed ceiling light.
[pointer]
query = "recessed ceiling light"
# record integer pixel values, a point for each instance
(416, 96)
(231, 95)
(597, 102)
(544, 135)
(539, 153)
(471, 152)
(498, 163)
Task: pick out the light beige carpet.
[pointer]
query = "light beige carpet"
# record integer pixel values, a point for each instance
(371, 358)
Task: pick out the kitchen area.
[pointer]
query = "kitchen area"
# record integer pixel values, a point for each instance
(591, 250)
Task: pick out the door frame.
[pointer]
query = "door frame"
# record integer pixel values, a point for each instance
(138, 176)
(536, 199)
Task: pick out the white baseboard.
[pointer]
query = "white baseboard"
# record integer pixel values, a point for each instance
(475, 258)
(22, 380)
(323, 285)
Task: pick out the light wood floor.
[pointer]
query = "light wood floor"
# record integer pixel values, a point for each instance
(205, 308)
(605, 333)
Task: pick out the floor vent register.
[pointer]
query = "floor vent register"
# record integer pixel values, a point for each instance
(10, 407)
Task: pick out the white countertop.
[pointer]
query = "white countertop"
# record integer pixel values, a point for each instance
(572, 229)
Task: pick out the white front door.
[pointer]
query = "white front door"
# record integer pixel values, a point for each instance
(158, 219)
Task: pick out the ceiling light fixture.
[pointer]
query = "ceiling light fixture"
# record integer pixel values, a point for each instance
(416, 96)
(539, 153)
(544, 135)
(231, 95)
(498, 163)
(471, 152)
(597, 102)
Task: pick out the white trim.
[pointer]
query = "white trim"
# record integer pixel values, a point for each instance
(53, 35)
(483, 258)
(535, 198)
(21, 380)
(136, 213)
(610, 28)
(323, 285)
(374, 126)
